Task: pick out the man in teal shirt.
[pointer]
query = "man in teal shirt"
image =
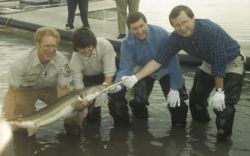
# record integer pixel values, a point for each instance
(139, 47)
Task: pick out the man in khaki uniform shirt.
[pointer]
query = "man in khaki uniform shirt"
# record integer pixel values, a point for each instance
(42, 73)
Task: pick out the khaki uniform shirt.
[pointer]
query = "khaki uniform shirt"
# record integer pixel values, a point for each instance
(102, 60)
(27, 71)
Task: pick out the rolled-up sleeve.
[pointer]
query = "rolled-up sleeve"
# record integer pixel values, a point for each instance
(15, 74)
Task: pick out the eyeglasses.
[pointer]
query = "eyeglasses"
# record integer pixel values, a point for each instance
(49, 46)
(182, 24)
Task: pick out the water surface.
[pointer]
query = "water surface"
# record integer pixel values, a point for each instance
(154, 136)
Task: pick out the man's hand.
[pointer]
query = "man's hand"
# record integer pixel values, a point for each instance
(217, 100)
(62, 90)
(129, 81)
(173, 98)
(81, 104)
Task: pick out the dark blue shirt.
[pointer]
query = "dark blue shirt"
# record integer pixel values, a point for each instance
(209, 42)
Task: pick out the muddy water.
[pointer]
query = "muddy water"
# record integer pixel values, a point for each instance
(154, 136)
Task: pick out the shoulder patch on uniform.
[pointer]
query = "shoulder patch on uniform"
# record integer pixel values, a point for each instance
(66, 70)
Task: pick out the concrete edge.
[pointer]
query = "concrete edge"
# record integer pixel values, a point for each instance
(67, 35)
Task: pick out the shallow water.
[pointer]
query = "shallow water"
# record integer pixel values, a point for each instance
(152, 137)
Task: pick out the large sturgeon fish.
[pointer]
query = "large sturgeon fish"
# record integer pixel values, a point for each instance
(61, 109)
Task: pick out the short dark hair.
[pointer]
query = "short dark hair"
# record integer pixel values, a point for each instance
(176, 11)
(83, 38)
(134, 17)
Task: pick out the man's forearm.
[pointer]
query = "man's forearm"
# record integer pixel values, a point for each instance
(148, 69)
(219, 82)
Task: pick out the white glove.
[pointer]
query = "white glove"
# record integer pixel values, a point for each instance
(186, 102)
(102, 99)
(115, 89)
(217, 100)
(174, 98)
(129, 81)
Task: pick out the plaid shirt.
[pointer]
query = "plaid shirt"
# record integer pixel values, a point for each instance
(209, 42)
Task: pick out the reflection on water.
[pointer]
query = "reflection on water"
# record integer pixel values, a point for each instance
(152, 137)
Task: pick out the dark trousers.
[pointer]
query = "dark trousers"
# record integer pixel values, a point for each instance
(203, 85)
(83, 7)
(141, 93)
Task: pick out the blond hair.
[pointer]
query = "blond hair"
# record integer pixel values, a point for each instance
(42, 31)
